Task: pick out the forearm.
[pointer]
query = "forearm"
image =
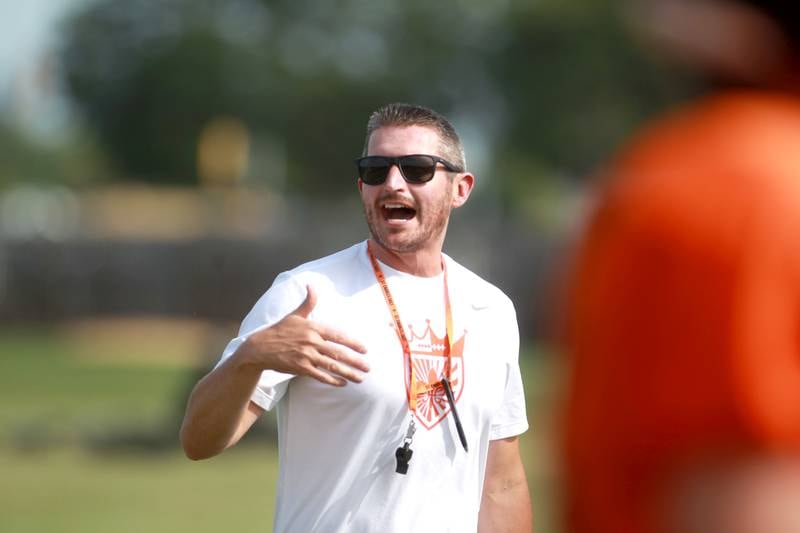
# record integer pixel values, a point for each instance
(506, 510)
(218, 412)
(217, 408)
(506, 503)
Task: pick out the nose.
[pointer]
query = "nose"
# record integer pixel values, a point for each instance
(394, 179)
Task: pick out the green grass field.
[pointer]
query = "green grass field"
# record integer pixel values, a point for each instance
(71, 491)
(89, 444)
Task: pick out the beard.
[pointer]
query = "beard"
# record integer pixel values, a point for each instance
(431, 223)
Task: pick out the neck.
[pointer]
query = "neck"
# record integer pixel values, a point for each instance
(424, 263)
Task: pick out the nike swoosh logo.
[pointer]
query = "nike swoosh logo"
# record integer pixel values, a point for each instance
(479, 307)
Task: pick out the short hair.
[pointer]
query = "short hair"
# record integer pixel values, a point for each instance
(400, 114)
(785, 13)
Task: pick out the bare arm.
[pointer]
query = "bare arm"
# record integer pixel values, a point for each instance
(219, 411)
(506, 503)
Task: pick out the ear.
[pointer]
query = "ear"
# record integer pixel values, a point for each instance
(462, 187)
(360, 185)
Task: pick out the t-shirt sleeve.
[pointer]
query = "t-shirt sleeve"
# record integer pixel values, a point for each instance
(285, 295)
(511, 418)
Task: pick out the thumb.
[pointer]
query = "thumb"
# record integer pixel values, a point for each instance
(308, 304)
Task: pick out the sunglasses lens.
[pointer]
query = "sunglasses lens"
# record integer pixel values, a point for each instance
(418, 168)
(373, 170)
(415, 168)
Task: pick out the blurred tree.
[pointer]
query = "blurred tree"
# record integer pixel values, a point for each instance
(576, 84)
(74, 162)
(539, 88)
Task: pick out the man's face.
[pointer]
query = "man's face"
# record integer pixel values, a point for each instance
(407, 217)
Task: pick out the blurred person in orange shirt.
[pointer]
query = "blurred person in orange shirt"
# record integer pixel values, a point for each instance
(683, 306)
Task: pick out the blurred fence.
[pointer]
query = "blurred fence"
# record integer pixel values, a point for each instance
(210, 254)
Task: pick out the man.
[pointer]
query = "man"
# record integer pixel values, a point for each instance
(394, 369)
(684, 311)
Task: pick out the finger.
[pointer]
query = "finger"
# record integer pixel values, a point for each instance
(334, 335)
(338, 368)
(344, 359)
(326, 378)
(308, 304)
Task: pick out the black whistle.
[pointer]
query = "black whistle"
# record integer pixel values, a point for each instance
(403, 456)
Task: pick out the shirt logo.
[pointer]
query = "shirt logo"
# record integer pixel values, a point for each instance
(429, 360)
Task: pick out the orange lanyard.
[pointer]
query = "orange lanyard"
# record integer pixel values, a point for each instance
(413, 386)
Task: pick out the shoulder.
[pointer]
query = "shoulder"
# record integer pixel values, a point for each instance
(743, 127)
(488, 312)
(328, 269)
(332, 275)
(341, 260)
(479, 292)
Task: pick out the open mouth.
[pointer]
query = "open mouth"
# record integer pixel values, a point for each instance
(398, 212)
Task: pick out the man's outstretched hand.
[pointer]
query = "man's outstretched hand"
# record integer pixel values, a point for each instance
(299, 346)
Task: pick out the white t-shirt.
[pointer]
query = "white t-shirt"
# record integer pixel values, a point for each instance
(337, 444)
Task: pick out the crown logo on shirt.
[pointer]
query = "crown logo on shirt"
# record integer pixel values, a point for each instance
(429, 358)
(429, 343)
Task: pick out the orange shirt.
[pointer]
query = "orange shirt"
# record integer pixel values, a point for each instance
(683, 317)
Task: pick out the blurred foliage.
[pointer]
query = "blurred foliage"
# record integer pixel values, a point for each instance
(543, 88)
(74, 162)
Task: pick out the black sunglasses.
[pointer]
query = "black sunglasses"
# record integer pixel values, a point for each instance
(415, 168)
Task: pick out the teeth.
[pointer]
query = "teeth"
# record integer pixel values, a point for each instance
(394, 206)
